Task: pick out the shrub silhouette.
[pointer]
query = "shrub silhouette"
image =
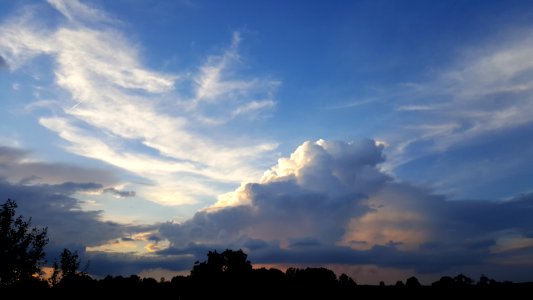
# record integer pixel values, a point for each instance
(412, 282)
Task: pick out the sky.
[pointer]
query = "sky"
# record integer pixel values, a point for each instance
(383, 139)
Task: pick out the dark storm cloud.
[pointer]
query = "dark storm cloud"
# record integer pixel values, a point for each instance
(102, 263)
(484, 216)
(263, 252)
(54, 207)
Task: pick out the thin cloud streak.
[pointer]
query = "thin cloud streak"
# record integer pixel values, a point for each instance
(486, 91)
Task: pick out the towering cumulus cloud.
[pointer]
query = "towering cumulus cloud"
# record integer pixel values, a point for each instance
(326, 192)
(313, 194)
(330, 203)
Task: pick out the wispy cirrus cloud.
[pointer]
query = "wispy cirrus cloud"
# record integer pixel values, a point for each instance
(487, 90)
(220, 95)
(75, 11)
(115, 101)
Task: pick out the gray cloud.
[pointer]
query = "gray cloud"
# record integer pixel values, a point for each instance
(69, 226)
(118, 193)
(102, 263)
(16, 165)
(3, 63)
(54, 207)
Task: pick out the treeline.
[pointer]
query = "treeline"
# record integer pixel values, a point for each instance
(228, 274)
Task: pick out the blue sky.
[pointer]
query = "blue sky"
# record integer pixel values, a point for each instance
(166, 118)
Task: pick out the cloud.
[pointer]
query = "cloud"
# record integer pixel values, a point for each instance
(18, 166)
(328, 203)
(487, 90)
(216, 86)
(320, 181)
(313, 193)
(103, 263)
(54, 207)
(3, 63)
(252, 107)
(128, 116)
(74, 10)
(69, 226)
(48, 193)
(118, 193)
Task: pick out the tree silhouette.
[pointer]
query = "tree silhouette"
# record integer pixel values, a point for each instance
(346, 281)
(67, 273)
(67, 268)
(462, 280)
(227, 262)
(70, 263)
(412, 282)
(21, 247)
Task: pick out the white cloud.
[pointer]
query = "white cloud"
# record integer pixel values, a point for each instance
(253, 107)
(415, 107)
(115, 101)
(74, 10)
(314, 193)
(219, 89)
(22, 38)
(487, 90)
(210, 82)
(342, 167)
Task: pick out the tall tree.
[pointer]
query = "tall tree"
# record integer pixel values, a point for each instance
(21, 247)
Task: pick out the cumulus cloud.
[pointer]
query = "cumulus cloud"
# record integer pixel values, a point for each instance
(328, 203)
(320, 181)
(316, 195)
(116, 101)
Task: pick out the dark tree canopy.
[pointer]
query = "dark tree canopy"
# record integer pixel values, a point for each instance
(227, 262)
(21, 247)
(66, 272)
(69, 263)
